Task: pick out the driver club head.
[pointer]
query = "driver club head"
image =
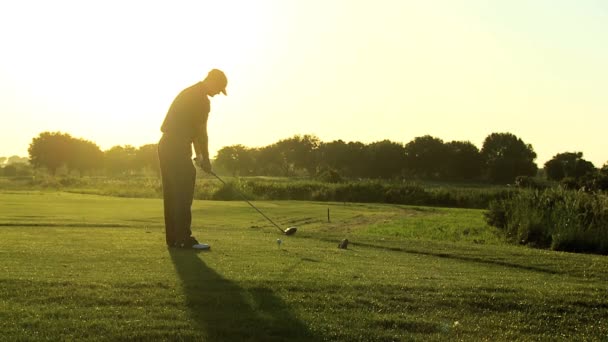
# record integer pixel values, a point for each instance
(290, 231)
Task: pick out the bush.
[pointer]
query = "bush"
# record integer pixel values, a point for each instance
(559, 219)
(528, 182)
(595, 182)
(67, 181)
(569, 183)
(263, 188)
(496, 215)
(366, 191)
(410, 194)
(227, 192)
(372, 191)
(329, 176)
(9, 171)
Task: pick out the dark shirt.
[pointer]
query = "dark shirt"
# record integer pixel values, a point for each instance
(187, 117)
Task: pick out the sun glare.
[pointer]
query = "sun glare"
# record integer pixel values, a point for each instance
(109, 75)
(108, 71)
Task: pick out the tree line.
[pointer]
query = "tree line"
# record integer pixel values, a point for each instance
(502, 158)
(61, 153)
(424, 157)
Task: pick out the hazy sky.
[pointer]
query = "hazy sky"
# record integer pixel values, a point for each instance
(357, 70)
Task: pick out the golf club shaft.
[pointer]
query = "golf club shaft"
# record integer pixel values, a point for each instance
(244, 198)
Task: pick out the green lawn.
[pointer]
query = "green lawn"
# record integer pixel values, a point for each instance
(77, 267)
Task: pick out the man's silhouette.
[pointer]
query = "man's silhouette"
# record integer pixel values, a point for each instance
(185, 126)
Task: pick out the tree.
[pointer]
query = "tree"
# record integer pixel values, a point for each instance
(16, 169)
(299, 153)
(463, 161)
(271, 162)
(568, 164)
(53, 150)
(17, 160)
(334, 155)
(506, 156)
(9, 171)
(385, 159)
(120, 160)
(601, 179)
(237, 159)
(306, 153)
(50, 150)
(146, 157)
(426, 157)
(357, 159)
(15, 166)
(348, 159)
(84, 156)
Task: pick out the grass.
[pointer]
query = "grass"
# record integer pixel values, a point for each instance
(560, 219)
(456, 195)
(87, 267)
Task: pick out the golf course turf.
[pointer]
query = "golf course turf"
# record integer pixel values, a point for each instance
(87, 267)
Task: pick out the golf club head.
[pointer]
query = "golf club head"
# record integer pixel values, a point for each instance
(290, 231)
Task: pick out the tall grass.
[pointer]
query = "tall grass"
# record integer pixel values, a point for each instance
(263, 188)
(373, 191)
(555, 218)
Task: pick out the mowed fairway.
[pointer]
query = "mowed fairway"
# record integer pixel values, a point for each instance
(84, 267)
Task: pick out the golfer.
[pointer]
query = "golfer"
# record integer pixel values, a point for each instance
(185, 126)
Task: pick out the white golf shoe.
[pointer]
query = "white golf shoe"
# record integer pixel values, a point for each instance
(201, 246)
(192, 243)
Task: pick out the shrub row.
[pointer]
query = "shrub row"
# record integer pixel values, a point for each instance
(365, 191)
(557, 218)
(362, 191)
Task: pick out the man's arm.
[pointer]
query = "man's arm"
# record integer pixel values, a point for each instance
(201, 147)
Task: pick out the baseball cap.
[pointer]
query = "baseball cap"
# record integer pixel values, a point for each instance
(218, 76)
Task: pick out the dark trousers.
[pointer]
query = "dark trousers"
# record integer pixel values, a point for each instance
(178, 177)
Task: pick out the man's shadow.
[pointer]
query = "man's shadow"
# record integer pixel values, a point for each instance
(226, 312)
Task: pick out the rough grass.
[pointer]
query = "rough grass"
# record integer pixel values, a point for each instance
(456, 195)
(86, 267)
(559, 219)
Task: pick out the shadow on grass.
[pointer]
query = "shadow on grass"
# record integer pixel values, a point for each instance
(448, 255)
(226, 312)
(453, 256)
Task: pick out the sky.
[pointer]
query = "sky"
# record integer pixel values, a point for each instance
(356, 70)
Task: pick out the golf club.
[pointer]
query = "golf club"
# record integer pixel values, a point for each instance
(288, 231)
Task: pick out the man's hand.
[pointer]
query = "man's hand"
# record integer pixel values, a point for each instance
(203, 163)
